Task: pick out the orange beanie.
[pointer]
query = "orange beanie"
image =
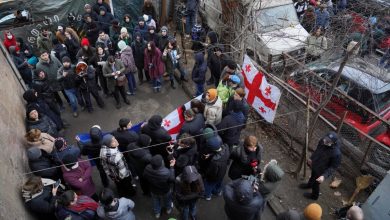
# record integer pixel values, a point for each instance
(212, 94)
(313, 212)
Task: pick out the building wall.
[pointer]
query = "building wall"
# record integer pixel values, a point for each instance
(12, 154)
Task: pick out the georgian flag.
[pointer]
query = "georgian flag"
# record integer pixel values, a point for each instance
(261, 95)
(174, 120)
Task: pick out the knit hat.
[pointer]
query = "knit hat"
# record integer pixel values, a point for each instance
(273, 172)
(87, 6)
(214, 143)
(66, 59)
(84, 42)
(235, 79)
(60, 27)
(208, 133)
(107, 140)
(34, 153)
(123, 122)
(146, 17)
(60, 144)
(121, 45)
(124, 30)
(157, 161)
(141, 18)
(313, 212)
(69, 160)
(30, 96)
(212, 94)
(29, 109)
(237, 106)
(33, 61)
(164, 28)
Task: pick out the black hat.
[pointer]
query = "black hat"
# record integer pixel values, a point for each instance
(144, 140)
(237, 106)
(69, 160)
(157, 161)
(123, 122)
(60, 144)
(30, 108)
(66, 59)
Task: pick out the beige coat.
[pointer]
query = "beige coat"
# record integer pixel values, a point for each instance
(45, 142)
(316, 46)
(213, 112)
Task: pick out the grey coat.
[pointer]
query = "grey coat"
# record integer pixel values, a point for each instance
(51, 69)
(107, 70)
(124, 211)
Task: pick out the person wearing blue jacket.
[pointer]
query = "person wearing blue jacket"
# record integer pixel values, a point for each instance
(199, 73)
(323, 162)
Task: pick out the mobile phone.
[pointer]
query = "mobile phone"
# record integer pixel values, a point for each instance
(57, 183)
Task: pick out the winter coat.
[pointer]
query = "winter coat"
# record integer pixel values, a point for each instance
(128, 60)
(44, 124)
(158, 134)
(308, 20)
(236, 73)
(9, 42)
(229, 107)
(86, 80)
(43, 205)
(169, 60)
(153, 64)
(217, 165)
(142, 30)
(21, 65)
(213, 112)
(91, 31)
(162, 42)
(138, 52)
(200, 69)
(92, 147)
(72, 176)
(230, 128)
(89, 55)
(185, 198)
(124, 138)
(149, 10)
(107, 70)
(139, 157)
(191, 152)
(73, 47)
(316, 46)
(42, 165)
(129, 26)
(152, 37)
(191, 6)
(45, 43)
(105, 20)
(159, 179)
(60, 51)
(45, 143)
(58, 156)
(96, 7)
(322, 18)
(325, 160)
(241, 164)
(106, 43)
(114, 163)
(194, 127)
(93, 15)
(51, 68)
(270, 179)
(241, 202)
(68, 81)
(123, 212)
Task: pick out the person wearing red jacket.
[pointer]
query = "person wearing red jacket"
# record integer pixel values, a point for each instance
(9, 40)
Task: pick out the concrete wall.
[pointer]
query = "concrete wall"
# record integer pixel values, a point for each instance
(12, 154)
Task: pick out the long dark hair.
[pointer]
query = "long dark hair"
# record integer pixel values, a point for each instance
(66, 198)
(153, 46)
(106, 198)
(192, 187)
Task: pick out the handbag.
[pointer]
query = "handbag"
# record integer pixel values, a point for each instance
(121, 80)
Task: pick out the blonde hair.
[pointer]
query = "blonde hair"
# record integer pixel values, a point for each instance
(33, 135)
(250, 141)
(72, 33)
(34, 185)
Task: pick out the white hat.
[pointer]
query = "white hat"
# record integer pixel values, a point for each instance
(146, 18)
(123, 30)
(60, 27)
(122, 45)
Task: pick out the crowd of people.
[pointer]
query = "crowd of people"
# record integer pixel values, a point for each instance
(173, 173)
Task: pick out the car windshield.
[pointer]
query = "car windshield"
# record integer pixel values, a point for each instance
(275, 18)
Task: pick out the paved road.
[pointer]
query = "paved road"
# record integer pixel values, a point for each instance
(143, 105)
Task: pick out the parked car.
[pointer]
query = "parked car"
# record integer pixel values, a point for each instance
(366, 83)
(275, 26)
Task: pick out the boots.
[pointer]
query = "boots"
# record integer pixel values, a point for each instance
(173, 84)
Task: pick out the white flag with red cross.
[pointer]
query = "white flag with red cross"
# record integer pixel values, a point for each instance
(175, 120)
(261, 95)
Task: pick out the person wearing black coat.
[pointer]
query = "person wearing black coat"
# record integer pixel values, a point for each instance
(40, 121)
(139, 155)
(193, 125)
(323, 162)
(72, 44)
(199, 73)
(92, 150)
(215, 166)
(40, 198)
(99, 3)
(33, 100)
(239, 94)
(91, 29)
(124, 135)
(230, 127)
(42, 164)
(138, 46)
(21, 64)
(216, 60)
(104, 19)
(246, 159)
(67, 77)
(186, 147)
(159, 135)
(241, 201)
(86, 84)
(160, 180)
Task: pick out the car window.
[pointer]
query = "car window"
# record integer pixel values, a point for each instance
(362, 95)
(382, 101)
(275, 18)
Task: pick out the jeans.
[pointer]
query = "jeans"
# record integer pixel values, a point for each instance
(189, 210)
(190, 21)
(212, 187)
(181, 70)
(199, 89)
(158, 199)
(157, 83)
(131, 82)
(72, 95)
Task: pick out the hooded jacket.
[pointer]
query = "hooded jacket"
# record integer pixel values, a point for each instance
(241, 164)
(139, 155)
(92, 31)
(73, 47)
(51, 68)
(229, 107)
(40, 161)
(44, 124)
(213, 112)
(124, 138)
(45, 43)
(183, 196)
(217, 165)
(86, 80)
(159, 179)
(325, 160)
(162, 41)
(138, 48)
(123, 212)
(200, 69)
(9, 42)
(158, 134)
(230, 128)
(97, 7)
(42, 205)
(105, 20)
(68, 81)
(83, 171)
(128, 60)
(241, 202)
(21, 65)
(271, 177)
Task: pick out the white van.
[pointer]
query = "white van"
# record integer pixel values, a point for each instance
(275, 26)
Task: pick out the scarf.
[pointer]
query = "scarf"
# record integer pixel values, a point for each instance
(27, 196)
(83, 203)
